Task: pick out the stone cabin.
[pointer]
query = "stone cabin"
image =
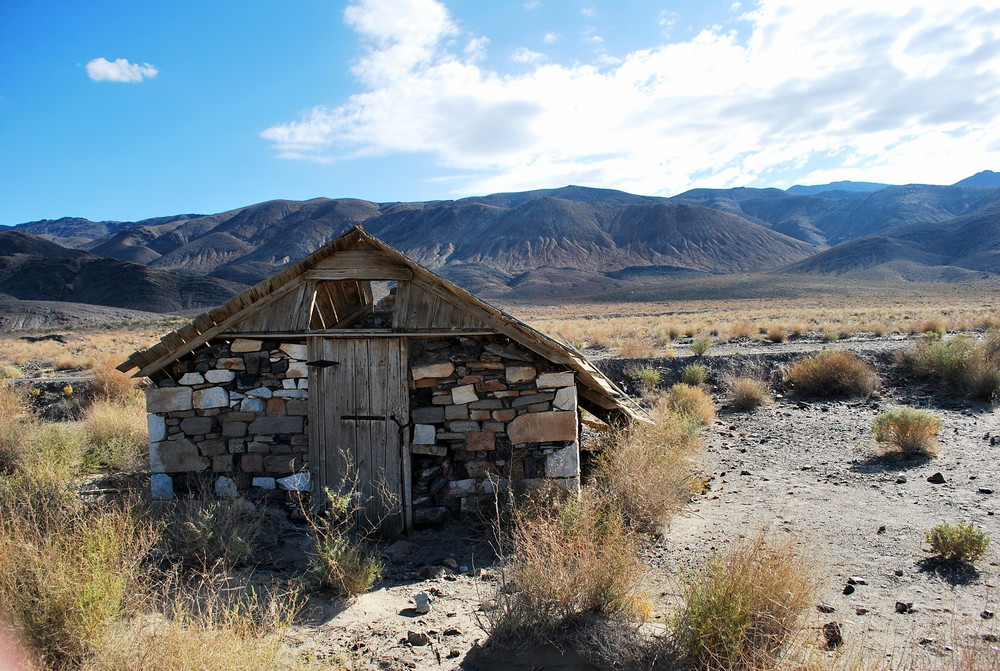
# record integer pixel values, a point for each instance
(356, 368)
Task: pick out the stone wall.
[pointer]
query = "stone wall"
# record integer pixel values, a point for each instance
(232, 416)
(486, 412)
(483, 412)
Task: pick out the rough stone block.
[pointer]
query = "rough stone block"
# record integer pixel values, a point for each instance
(157, 427)
(430, 516)
(532, 399)
(272, 425)
(290, 393)
(276, 407)
(453, 412)
(297, 406)
(569, 484)
(161, 487)
(252, 463)
(507, 352)
(486, 404)
(490, 385)
(219, 376)
(225, 488)
(260, 392)
(245, 345)
(213, 397)
(520, 374)
(176, 456)
(211, 447)
(295, 351)
(462, 487)
(234, 429)
(297, 369)
(539, 407)
(222, 463)
(479, 441)
(479, 415)
(299, 482)
(192, 379)
(423, 434)
(232, 363)
(549, 380)
(565, 399)
(194, 426)
(168, 399)
(252, 405)
(464, 394)
(463, 426)
(433, 370)
(263, 483)
(563, 463)
(289, 384)
(479, 469)
(504, 415)
(543, 427)
(281, 463)
(432, 450)
(427, 415)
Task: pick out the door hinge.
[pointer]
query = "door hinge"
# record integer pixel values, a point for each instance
(322, 363)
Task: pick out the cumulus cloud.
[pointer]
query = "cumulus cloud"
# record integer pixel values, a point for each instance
(103, 70)
(807, 91)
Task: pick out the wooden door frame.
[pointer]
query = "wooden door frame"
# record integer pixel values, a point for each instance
(318, 461)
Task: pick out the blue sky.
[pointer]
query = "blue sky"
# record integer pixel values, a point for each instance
(125, 110)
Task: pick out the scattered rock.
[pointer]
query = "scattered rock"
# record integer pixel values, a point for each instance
(433, 572)
(987, 614)
(423, 601)
(833, 635)
(904, 607)
(985, 490)
(452, 631)
(881, 530)
(897, 572)
(936, 479)
(990, 638)
(417, 638)
(450, 563)
(855, 580)
(398, 550)
(825, 608)
(901, 480)
(861, 611)
(453, 653)
(848, 589)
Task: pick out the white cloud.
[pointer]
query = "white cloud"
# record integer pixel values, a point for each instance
(843, 90)
(531, 4)
(550, 38)
(103, 70)
(526, 55)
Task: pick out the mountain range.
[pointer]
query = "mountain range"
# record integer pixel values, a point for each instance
(566, 242)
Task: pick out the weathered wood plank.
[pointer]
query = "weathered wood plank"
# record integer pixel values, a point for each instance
(358, 258)
(394, 273)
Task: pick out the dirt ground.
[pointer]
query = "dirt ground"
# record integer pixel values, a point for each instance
(804, 470)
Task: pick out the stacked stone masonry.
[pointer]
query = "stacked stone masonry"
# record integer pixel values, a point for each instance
(484, 413)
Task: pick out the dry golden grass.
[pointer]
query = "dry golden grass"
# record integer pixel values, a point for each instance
(831, 373)
(913, 432)
(747, 393)
(688, 401)
(115, 433)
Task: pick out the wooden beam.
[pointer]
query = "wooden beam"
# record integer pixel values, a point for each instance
(396, 273)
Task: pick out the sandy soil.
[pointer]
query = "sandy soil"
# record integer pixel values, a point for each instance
(803, 470)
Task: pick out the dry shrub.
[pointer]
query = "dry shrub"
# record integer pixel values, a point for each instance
(9, 370)
(111, 383)
(342, 560)
(633, 347)
(571, 561)
(913, 432)
(692, 402)
(933, 327)
(777, 334)
(648, 377)
(646, 469)
(832, 373)
(201, 533)
(743, 608)
(962, 364)
(700, 346)
(115, 433)
(742, 329)
(747, 393)
(69, 570)
(694, 374)
(16, 423)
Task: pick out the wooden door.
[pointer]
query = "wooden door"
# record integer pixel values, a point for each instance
(358, 414)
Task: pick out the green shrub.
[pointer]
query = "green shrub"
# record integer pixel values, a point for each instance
(342, 560)
(914, 432)
(960, 542)
(832, 373)
(747, 393)
(201, 533)
(962, 364)
(743, 607)
(649, 377)
(694, 374)
(700, 346)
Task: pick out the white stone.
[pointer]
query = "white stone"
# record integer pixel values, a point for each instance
(192, 378)
(157, 425)
(462, 487)
(288, 384)
(303, 383)
(295, 351)
(245, 345)
(213, 397)
(253, 405)
(549, 380)
(236, 396)
(423, 601)
(565, 399)
(297, 369)
(295, 483)
(161, 486)
(423, 434)
(520, 373)
(260, 392)
(290, 393)
(168, 399)
(438, 369)
(568, 484)
(563, 463)
(218, 375)
(464, 394)
(225, 488)
(263, 483)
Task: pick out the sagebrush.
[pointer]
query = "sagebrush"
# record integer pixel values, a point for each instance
(913, 432)
(832, 373)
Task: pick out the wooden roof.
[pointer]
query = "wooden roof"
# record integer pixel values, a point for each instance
(597, 392)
